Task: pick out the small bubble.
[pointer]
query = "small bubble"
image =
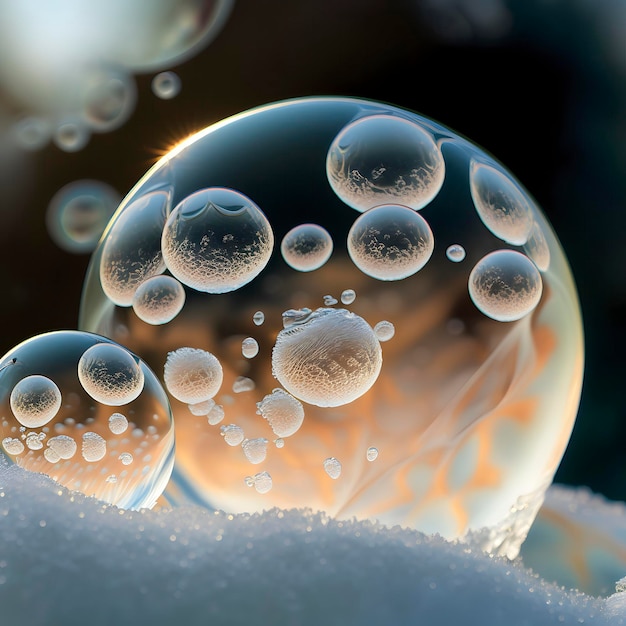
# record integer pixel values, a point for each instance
(384, 330)
(216, 415)
(126, 458)
(249, 480)
(249, 347)
(12, 446)
(94, 447)
(242, 384)
(258, 318)
(348, 296)
(330, 300)
(306, 247)
(279, 443)
(372, 453)
(34, 441)
(192, 375)
(332, 467)
(283, 412)
(118, 423)
(35, 400)
(202, 408)
(233, 434)
(112, 478)
(255, 449)
(62, 446)
(159, 299)
(166, 85)
(455, 252)
(262, 482)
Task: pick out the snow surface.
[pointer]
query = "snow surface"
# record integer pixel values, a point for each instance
(66, 559)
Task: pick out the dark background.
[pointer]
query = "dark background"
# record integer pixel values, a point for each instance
(539, 84)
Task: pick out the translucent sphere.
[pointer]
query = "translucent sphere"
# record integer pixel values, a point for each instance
(306, 247)
(470, 415)
(192, 375)
(159, 299)
(166, 85)
(79, 440)
(35, 400)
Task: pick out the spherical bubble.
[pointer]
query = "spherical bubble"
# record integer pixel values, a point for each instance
(166, 85)
(384, 159)
(192, 375)
(348, 296)
(35, 400)
(78, 214)
(390, 242)
(73, 446)
(283, 412)
(330, 358)
(32, 133)
(471, 415)
(255, 449)
(306, 247)
(455, 252)
(110, 374)
(332, 467)
(216, 240)
(71, 135)
(505, 285)
(159, 299)
(372, 453)
(384, 330)
(202, 408)
(233, 434)
(249, 347)
(262, 482)
(258, 318)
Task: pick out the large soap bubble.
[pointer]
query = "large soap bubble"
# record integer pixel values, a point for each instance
(470, 415)
(51, 423)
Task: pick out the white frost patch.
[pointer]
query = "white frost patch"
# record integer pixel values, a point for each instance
(67, 559)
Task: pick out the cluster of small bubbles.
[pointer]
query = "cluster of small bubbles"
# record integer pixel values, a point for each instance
(329, 300)
(202, 408)
(329, 359)
(348, 296)
(372, 453)
(283, 412)
(215, 415)
(110, 374)
(35, 400)
(12, 445)
(455, 252)
(118, 423)
(306, 247)
(78, 214)
(60, 447)
(249, 347)
(71, 136)
(242, 384)
(159, 299)
(216, 240)
(94, 447)
(192, 375)
(262, 482)
(166, 85)
(384, 330)
(390, 242)
(382, 159)
(258, 318)
(505, 285)
(332, 467)
(255, 449)
(279, 443)
(233, 434)
(126, 458)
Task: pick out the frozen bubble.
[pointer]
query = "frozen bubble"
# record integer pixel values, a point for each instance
(255, 449)
(455, 252)
(126, 458)
(71, 136)
(216, 240)
(279, 443)
(202, 408)
(372, 453)
(500, 203)
(233, 434)
(166, 85)
(118, 423)
(63, 446)
(262, 482)
(243, 384)
(110, 374)
(329, 359)
(306, 247)
(78, 214)
(283, 412)
(159, 299)
(12, 445)
(383, 159)
(330, 300)
(505, 285)
(216, 415)
(35, 400)
(34, 441)
(94, 447)
(390, 242)
(192, 375)
(332, 467)
(258, 318)
(132, 251)
(249, 347)
(348, 296)
(384, 330)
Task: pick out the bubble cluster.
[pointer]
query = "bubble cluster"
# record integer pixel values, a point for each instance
(192, 375)
(306, 247)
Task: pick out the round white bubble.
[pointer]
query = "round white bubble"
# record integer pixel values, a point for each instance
(283, 412)
(505, 285)
(455, 252)
(94, 447)
(348, 296)
(306, 247)
(233, 434)
(249, 347)
(255, 449)
(384, 330)
(61, 447)
(35, 400)
(192, 375)
(166, 85)
(159, 299)
(118, 423)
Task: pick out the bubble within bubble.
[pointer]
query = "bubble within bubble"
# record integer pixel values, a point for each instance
(348, 296)
(35, 400)
(306, 247)
(372, 453)
(166, 85)
(216, 240)
(283, 412)
(258, 318)
(505, 285)
(455, 252)
(84, 422)
(383, 159)
(78, 214)
(332, 467)
(110, 374)
(233, 434)
(390, 242)
(384, 330)
(262, 482)
(192, 375)
(249, 347)
(159, 300)
(330, 358)
(255, 449)
(460, 394)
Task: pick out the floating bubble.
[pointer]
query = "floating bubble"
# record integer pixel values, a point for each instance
(110, 374)
(255, 449)
(71, 136)
(78, 214)
(258, 318)
(233, 434)
(330, 358)
(306, 247)
(283, 412)
(473, 415)
(262, 482)
(126, 458)
(215, 415)
(192, 375)
(455, 252)
(372, 453)
(330, 300)
(384, 159)
(384, 330)
(202, 408)
(216, 240)
(72, 446)
(166, 85)
(12, 446)
(249, 347)
(242, 384)
(279, 443)
(505, 285)
(332, 467)
(390, 242)
(35, 400)
(348, 296)
(159, 299)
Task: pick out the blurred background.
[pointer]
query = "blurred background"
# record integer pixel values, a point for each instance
(541, 84)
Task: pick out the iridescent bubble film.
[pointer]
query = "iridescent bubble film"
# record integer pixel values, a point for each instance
(467, 416)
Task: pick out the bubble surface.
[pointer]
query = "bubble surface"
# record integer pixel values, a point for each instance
(159, 299)
(192, 375)
(35, 400)
(306, 247)
(166, 85)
